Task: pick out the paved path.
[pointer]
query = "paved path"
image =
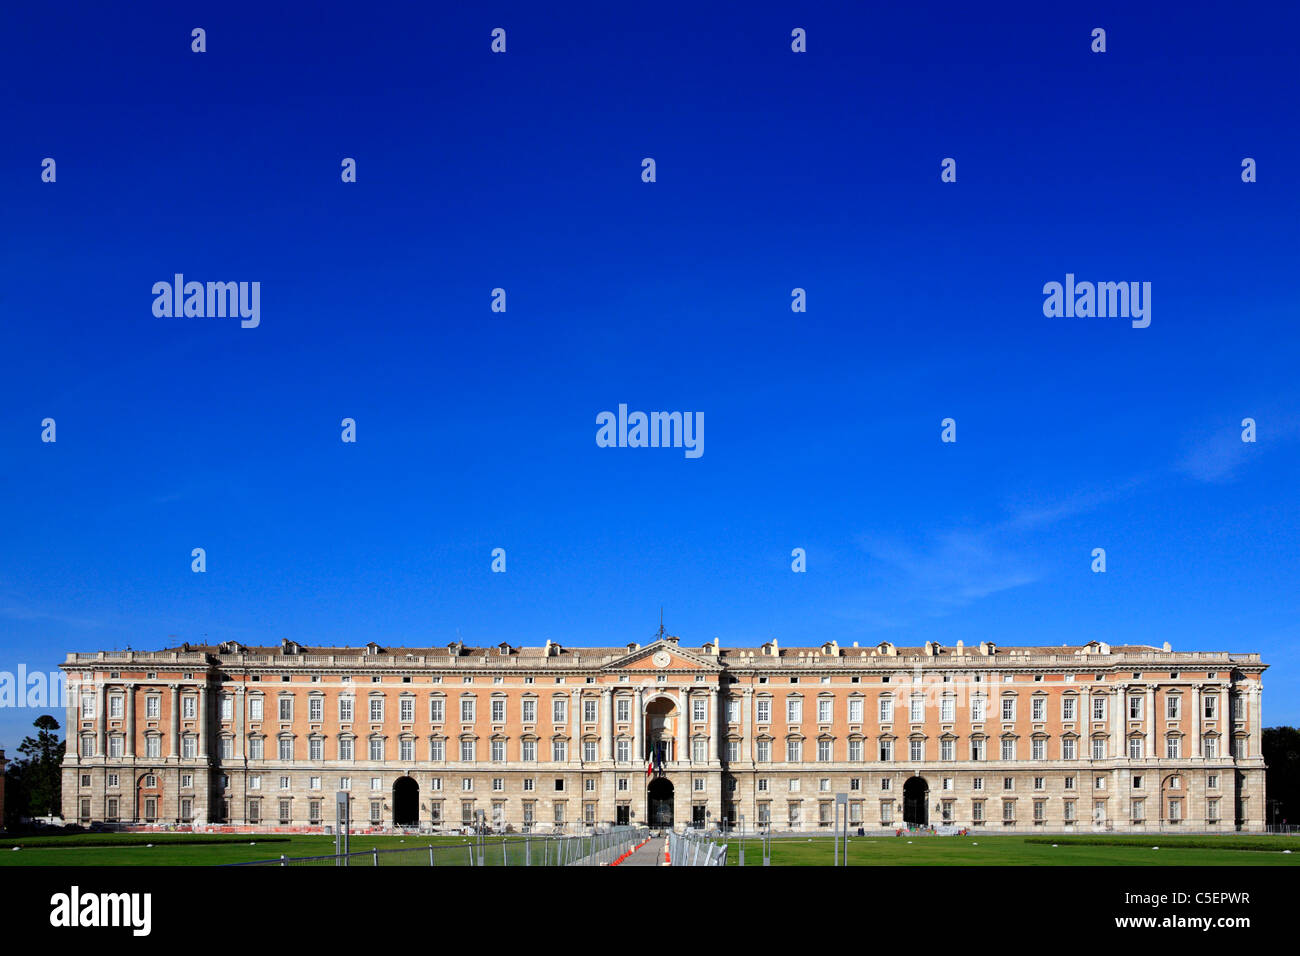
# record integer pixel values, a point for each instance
(652, 854)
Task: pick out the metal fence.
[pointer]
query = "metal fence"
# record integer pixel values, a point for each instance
(591, 849)
(694, 849)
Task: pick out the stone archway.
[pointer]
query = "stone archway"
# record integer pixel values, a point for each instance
(406, 802)
(659, 797)
(916, 807)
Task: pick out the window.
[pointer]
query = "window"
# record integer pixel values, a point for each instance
(256, 748)
(855, 750)
(315, 707)
(406, 710)
(623, 710)
(1038, 709)
(589, 750)
(977, 709)
(916, 711)
(1211, 707)
(977, 749)
(316, 749)
(152, 705)
(529, 710)
(1099, 708)
(286, 748)
(1098, 748)
(1068, 705)
(1173, 747)
(886, 710)
(1008, 708)
(189, 707)
(794, 751)
(467, 751)
(1008, 749)
(825, 708)
(1135, 748)
(437, 710)
(855, 710)
(764, 751)
(764, 710)
(467, 710)
(153, 747)
(947, 749)
(886, 750)
(1068, 747)
(376, 709)
(406, 749)
(1211, 746)
(824, 751)
(1038, 748)
(947, 709)
(437, 749)
(115, 706)
(559, 709)
(376, 748)
(345, 748)
(623, 750)
(699, 749)
(917, 750)
(1134, 707)
(286, 708)
(1238, 708)
(793, 710)
(559, 750)
(345, 710)
(589, 710)
(528, 750)
(1173, 707)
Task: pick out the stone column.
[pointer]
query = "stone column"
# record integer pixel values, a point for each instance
(203, 721)
(606, 725)
(715, 725)
(173, 740)
(101, 721)
(1151, 748)
(746, 725)
(575, 733)
(1256, 724)
(684, 726)
(1119, 722)
(129, 749)
(239, 726)
(72, 752)
(638, 728)
(1196, 721)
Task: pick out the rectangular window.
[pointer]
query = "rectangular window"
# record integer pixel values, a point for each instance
(1008, 708)
(376, 748)
(316, 749)
(1174, 747)
(886, 710)
(917, 750)
(764, 710)
(947, 749)
(559, 709)
(764, 751)
(1038, 748)
(406, 710)
(437, 710)
(189, 707)
(855, 750)
(947, 709)
(528, 750)
(1211, 707)
(1173, 707)
(623, 750)
(406, 750)
(824, 751)
(1098, 748)
(286, 708)
(345, 748)
(529, 710)
(793, 751)
(286, 748)
(916, 713)
(622, 710)
(467, 751)
(1008, 749)
(1068, 748)
(1038, 709)
(886, 750)
(855, 710)
(589, 710)
(1067, 708)
(977, 709)
(467, 710)
(1099, 708)
(559, 750)
(315, 708)
(824, 710)
(793, 710)
(1134, 707)
(1135, 748)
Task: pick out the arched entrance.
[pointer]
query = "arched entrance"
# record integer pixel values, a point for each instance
(661, 718)
(660, 797)
(915, 802)
(406, 802)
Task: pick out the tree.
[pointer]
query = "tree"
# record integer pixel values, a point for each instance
(34, 782)
(1281, 747)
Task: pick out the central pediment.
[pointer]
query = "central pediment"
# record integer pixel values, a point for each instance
(663, 656)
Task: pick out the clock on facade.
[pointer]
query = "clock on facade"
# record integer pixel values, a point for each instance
(662, 659)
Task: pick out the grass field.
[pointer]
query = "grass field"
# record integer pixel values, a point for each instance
(171, 849)
(974, 850)
(980, 850)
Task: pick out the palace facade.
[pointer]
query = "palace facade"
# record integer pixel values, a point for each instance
(1001, 738)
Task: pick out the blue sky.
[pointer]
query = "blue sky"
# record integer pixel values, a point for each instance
(476, 430)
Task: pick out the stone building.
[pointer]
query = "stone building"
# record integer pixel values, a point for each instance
(1009, 739)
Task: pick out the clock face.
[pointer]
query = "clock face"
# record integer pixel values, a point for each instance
(662, 659)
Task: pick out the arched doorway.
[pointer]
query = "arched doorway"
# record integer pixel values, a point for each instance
(661, 718)
(660, 796)
(916, 794)
(406, 802)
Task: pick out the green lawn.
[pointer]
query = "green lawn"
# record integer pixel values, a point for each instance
(1031, 850)
(170, 849)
